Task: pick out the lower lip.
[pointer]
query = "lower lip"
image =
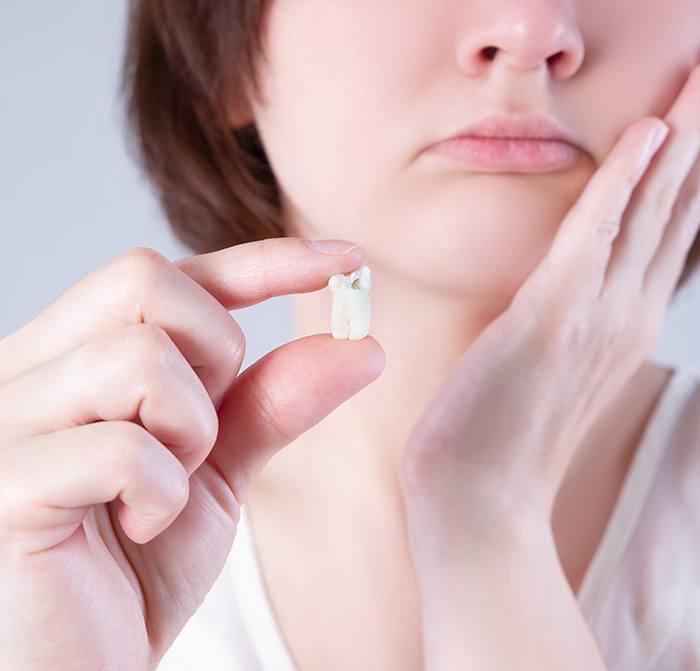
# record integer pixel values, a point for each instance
(508, 154)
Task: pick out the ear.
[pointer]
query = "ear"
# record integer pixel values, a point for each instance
(239, 113)
(239, 109)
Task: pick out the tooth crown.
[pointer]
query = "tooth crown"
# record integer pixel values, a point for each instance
(351, 310)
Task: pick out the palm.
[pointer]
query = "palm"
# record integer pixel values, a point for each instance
(128, 601)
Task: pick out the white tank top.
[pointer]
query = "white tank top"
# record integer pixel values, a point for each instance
(640, 594)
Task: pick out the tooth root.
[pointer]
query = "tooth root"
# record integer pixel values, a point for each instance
(351, 310)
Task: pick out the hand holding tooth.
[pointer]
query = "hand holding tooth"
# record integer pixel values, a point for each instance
(128, 440)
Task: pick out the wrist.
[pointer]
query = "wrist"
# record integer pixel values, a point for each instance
(490, 538)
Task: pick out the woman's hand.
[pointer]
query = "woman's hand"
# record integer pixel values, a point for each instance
(127, 441)
(484, 463)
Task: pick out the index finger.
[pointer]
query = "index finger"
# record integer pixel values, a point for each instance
(579, 254)
(268, 268)
(652, 204)
(188, 298)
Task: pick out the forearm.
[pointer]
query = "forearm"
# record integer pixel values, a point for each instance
(504, 603)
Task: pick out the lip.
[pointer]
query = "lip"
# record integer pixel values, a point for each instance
(511, 144)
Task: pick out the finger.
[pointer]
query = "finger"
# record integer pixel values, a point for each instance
(579, 254)
(666, 267)
(252, 272)
(284, 394)
(133, 373)
(189, 299)
(652, 205)
(51, 481)
(139, 286)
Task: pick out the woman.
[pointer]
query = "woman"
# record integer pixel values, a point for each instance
(442, 499)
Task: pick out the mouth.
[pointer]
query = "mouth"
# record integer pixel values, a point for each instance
(510, 144)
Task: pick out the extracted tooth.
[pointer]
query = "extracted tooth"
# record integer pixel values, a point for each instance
(351, 309)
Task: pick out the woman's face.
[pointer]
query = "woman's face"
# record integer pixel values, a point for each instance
(355, 90)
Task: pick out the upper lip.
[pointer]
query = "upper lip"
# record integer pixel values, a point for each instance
(530, 127)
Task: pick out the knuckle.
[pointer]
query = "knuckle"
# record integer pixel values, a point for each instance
(141, 255)
(150, 345)
(614, 329)
(614, 315)
(209, 423)
(565, 329)
(145, 351)
(138, 456)
(644, 316)
(132, 451)
(154, 357)
(141, 266)
(616, 338)
(179, 487)
(623, 334)
(608, 227)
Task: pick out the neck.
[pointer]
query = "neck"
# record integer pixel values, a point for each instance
(352, 457)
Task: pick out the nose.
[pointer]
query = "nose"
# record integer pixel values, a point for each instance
(522, 35)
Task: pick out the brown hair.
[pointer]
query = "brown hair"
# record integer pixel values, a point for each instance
(185, 61)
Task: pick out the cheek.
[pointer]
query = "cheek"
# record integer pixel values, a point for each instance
(480, 234)
(483, 233)
(638, 56)
(343, 95)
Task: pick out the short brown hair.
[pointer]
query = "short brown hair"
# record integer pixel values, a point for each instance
(185, 60)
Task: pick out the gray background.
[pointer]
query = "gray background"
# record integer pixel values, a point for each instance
(71, 198)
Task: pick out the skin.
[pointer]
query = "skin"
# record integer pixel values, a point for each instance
(128, 441)
(346, 111)
(488, 457)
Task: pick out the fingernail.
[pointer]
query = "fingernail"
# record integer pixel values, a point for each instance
(332, 246)
(658, 137)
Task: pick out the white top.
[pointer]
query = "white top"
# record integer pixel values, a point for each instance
(640, 594)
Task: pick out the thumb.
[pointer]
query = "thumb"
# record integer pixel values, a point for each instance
(283, 395)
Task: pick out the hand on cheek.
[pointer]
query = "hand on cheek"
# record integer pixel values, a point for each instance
(497, 439)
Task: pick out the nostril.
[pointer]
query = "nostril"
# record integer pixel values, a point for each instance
(489, 52)
(554, 59)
